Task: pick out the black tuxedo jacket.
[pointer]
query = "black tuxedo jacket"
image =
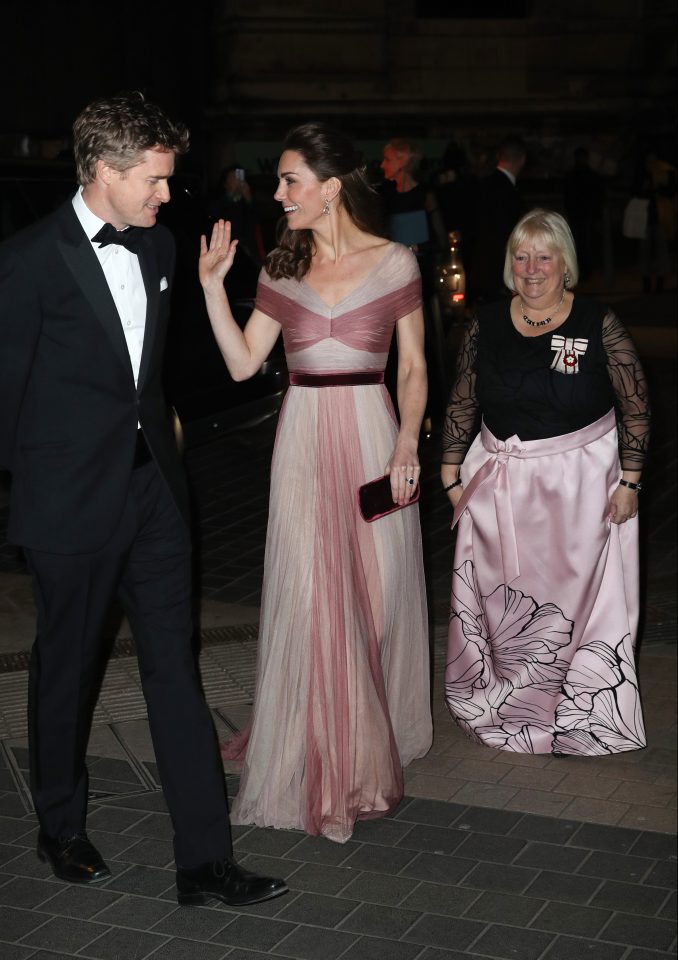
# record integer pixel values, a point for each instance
(68, 404)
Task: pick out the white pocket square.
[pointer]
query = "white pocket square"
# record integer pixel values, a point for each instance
(163, 284)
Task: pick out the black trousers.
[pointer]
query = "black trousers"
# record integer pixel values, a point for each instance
(147, 563)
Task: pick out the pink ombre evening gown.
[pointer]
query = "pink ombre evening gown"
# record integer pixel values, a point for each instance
(342, 693)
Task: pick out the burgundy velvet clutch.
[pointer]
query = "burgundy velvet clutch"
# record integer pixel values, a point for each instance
(375, 499)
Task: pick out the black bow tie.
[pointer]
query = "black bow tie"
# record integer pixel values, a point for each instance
(129, 238)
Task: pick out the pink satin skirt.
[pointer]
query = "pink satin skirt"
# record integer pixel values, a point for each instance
(544, 608)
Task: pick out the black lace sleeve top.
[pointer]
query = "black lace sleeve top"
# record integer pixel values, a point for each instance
(545, 386)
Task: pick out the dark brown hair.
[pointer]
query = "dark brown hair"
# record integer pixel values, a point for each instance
(327, 153)
(119, 130)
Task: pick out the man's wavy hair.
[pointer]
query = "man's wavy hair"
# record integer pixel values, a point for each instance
(119, 130)
(327, 153)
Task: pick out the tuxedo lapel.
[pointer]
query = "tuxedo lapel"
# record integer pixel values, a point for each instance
(151, 276)
(82, 262)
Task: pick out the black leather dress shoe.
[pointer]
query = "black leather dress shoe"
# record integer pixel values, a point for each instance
(226, 881)
(73, 859)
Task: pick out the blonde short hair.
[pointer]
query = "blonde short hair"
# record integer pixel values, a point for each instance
(553, 230)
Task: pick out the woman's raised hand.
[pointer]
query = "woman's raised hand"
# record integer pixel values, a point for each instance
(217, 259)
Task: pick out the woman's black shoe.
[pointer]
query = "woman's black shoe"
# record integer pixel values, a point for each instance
(73, 859)
(226, 881)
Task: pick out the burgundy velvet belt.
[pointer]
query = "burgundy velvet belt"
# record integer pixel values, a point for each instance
(358, 378)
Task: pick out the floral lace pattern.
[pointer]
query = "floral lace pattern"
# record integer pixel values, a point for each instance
(462, 407)
(626, 377)
(630, 388)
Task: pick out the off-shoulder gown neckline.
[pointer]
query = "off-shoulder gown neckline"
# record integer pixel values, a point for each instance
(359, 286)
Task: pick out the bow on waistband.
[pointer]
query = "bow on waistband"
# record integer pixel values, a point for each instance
(496, 467)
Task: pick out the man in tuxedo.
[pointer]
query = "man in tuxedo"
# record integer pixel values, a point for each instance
(499, 207)
(99, 500)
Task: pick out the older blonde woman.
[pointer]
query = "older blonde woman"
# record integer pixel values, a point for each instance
(545, 583)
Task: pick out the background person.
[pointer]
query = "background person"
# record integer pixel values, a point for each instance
(656, 180)
(411, 209)
(498, 208)
(455, 188)
(233, 201)
(342, 693)
(544, 607)
(584, 200)
(99, 500)
(413, 218)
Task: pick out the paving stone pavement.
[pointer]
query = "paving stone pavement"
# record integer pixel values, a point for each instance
(490, 855)
(435, 881)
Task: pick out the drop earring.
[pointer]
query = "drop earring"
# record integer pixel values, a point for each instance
(566, 280)
(326, 207)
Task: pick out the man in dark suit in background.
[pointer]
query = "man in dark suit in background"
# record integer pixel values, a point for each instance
(499, 207)
(99, 500)
(584, 200)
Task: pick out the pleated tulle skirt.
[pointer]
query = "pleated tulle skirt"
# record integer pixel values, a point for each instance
(342, 693)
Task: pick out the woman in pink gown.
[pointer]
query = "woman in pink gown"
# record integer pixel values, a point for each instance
(342, 692)
(544, 606)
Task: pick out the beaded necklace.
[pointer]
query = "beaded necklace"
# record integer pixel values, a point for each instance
(541, 323)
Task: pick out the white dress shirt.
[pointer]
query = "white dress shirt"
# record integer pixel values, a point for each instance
(510, 175)
(123, 276)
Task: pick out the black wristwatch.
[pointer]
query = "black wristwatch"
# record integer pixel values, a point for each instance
(637, 487)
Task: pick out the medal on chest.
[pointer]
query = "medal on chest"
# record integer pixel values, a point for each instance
(567, 350)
